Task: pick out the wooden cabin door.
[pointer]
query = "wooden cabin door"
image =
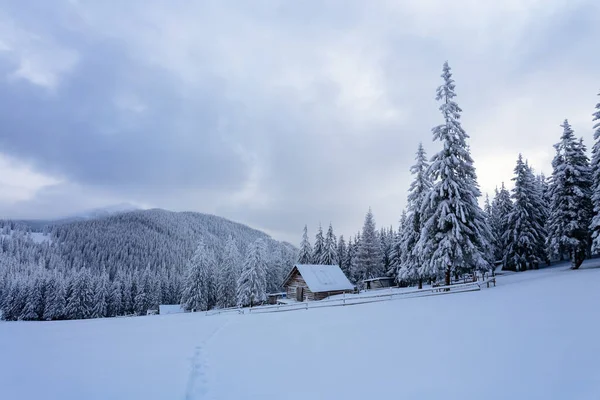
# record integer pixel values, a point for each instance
(299, 294)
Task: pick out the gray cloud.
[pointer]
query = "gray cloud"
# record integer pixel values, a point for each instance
(282, 113)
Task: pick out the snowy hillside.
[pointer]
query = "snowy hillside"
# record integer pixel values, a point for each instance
(125, 263)
(534, 336)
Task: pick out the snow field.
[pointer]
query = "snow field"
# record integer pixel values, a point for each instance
(534, 336)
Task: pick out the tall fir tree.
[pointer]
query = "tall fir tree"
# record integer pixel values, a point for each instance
(319, 247)
(386, 238)
(595, 167)
(341, 252)
(115, 299)
(408, 268)
(80, 300)
(34, 305)
(368, 257)
(571, 208)
(196, 292)
(252, 285)
(54, 308)
(349, 259)
(525, 229)
(501, 208)
(305, 256)
(329, 254)
(100, 297)
(229, 272)
(455, 236)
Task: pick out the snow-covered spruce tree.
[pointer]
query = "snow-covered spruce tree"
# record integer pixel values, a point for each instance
(542, 207)
(487, 207)
(196, 289)
(319, 247)
(54, 307)
(228, 275)
(595, 167)
(455, 236)
(349, 259)
(115, 300)
(356, 270)
(15, 298)
(305, 256)
(525, 231)
(101, 294)
(571, 208)
(79, 301)
(341, 252)
(368, 256)
(252, 284)
(127, 288)
(408, 267)
(34, 304)
(386, 239)
(329, 255)
(397, 246)
(501, 208)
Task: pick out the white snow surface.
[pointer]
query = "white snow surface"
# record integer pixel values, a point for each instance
(534, 336)
(324, 278)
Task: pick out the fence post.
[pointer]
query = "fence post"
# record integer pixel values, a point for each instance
(307, 305)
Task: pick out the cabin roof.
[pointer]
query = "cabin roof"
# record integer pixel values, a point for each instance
(322, 278)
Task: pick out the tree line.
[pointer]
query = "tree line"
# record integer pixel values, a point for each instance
(443, 231)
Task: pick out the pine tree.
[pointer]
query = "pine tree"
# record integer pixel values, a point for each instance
(356, 270)
(319, 248)
(329, 254)
(595, 167)
(501, 208)
(305, 254)
(409, 261)
(487, 207)
(34, 305)
(14, 301)
(386, 238)
(455, 236)
(79, 301)
(196, 290)
(228, 275)
(341, 252)
(368, 257)
(55, 299)
(525, 232)
(101, 294)
(349, 259)
(571, 209)
(252, 283)
(115, 300)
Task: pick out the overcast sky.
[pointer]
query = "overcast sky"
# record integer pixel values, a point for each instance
(277, 113)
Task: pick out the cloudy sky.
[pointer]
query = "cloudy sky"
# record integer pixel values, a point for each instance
(277, 113)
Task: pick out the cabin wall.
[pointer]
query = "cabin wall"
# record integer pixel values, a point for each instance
(297, 281)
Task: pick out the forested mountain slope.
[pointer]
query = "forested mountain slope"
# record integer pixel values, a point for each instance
(120, 264)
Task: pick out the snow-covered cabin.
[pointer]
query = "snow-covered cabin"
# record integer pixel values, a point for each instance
(315, 282)
(378, 283)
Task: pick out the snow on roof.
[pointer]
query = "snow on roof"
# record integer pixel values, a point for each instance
(324, 278)
(381, 278)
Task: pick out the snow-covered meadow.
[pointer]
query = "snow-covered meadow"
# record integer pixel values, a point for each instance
(534, 336)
